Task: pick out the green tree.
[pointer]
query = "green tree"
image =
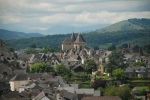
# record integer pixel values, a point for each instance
(33, 45)
(31, 51)
(112, 47)
(115, 61)
(125, 45)
(118, 73)
(39, 67)
(62, 70)
(90, 65)
(139, 64)
(147, 48)
(123, 92)
(136, 48)
(48, 49)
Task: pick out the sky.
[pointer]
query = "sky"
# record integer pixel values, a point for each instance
(67, 16)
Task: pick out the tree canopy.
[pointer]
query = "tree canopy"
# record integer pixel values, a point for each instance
(118, 73)
(90, 65)
(40, 67)
(62, 70)
(123, 92)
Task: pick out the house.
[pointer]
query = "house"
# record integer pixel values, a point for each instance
(130, 72)
(41, 96)
(17, 81)
(5, 72)
(14, 95)
(53, 59)
(78, 68)
(65, 95)
(148, 96)
(139, 72)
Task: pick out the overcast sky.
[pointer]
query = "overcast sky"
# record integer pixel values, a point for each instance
(66, 16)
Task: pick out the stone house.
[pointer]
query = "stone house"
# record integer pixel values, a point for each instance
(17, 81)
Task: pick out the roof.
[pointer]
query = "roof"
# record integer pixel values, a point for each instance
(102, 98)
(68, 95)
(85, 91)
(40, 96)
(73, 37)
(77, 66)
(20, 77)
(79, 39)
(129, 69)
(11, 95)
(67, 40)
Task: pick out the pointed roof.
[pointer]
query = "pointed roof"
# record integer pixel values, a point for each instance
(73, 37)
(20, 77)
(79, 39)
(67, 40)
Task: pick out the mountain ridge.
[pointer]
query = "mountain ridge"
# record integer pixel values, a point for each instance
(8, 35)
(127, 25)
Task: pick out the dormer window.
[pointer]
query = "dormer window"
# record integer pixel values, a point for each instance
(8, 58)
(23, 64)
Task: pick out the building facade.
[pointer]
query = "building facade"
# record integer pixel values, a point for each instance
(74, 42)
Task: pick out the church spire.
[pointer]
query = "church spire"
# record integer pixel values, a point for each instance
(73, 37)
(80, 39)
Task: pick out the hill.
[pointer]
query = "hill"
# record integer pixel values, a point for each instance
(127, 25)
(8, 35)
(136, 31)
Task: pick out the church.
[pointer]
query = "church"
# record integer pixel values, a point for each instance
(74, 42)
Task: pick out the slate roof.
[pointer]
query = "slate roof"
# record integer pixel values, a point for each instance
(40, 96)
(19, 77)
(102, 98)
(79, 39)
(68, 95)
(67, 40)
(76, 66)
(73, 37)
(129, 70)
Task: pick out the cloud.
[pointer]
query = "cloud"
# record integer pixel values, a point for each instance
(109, 17)
(48, 16)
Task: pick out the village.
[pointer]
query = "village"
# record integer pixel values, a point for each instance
(76, 72)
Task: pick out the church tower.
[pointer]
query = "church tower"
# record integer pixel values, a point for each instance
(79, 42)
(68, 43)
(74, 42)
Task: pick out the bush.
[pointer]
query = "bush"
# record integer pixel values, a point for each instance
(123, 92)
(40, 67)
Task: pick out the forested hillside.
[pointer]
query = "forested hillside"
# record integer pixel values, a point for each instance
(136, 31)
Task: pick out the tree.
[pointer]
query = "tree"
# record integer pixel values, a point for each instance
(125, 45)
(112, 47)
(115, 61)
(147, 48)
(39, 67)
(136, 48)
(31, 51)
(90, 65)
(139, 64)
(118, 73)
(33, 45)
(48, 49)
(123, 92)
(62, 70)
